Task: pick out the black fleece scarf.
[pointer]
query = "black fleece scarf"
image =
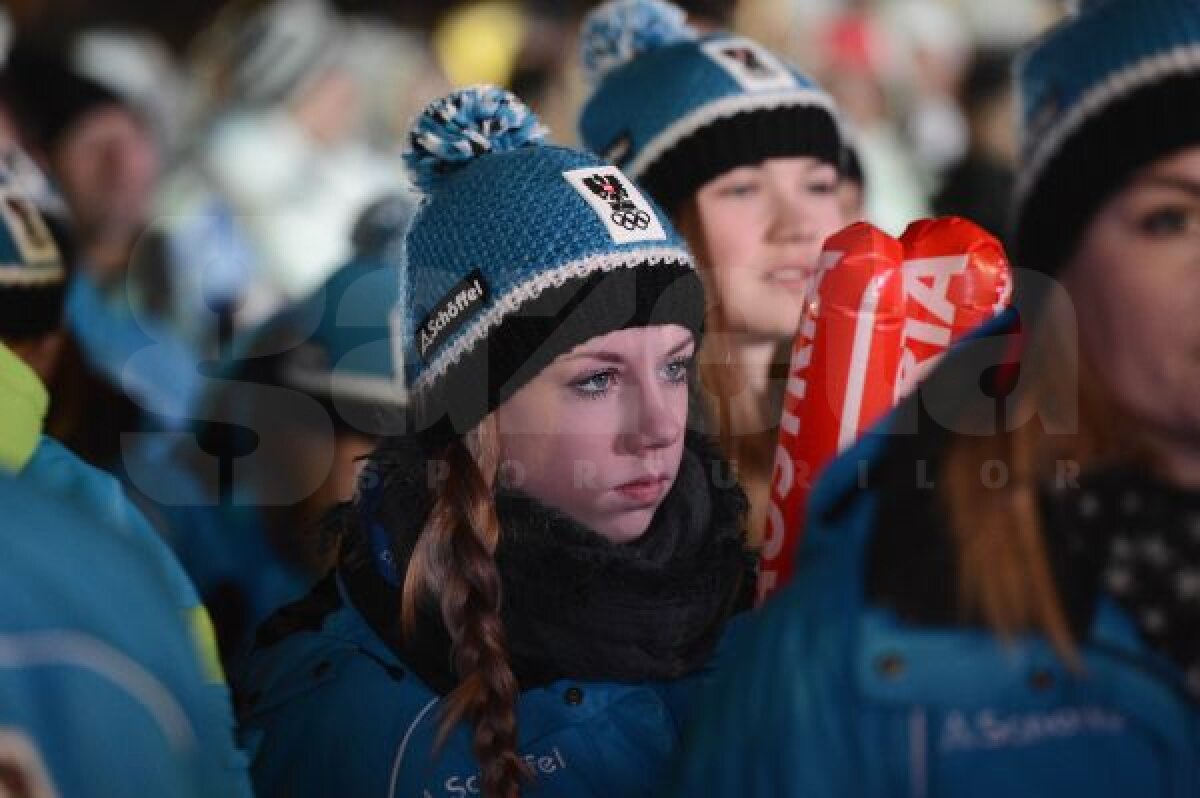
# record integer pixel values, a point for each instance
(574, 604)
(1120, 531)
(1140, 539)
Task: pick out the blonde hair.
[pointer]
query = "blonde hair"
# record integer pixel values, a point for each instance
(1003, 570)
(746, 425)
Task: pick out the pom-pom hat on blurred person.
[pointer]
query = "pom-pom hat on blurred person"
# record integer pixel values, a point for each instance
(1113, 88)
(675, 109)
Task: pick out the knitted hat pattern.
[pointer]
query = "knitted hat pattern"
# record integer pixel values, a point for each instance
(675, 109)
(1110, 90)
(350, 360)
(32, 276)
(519, 252)
(277, 50)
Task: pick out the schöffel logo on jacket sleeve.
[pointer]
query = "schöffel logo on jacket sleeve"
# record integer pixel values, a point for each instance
(464, 300)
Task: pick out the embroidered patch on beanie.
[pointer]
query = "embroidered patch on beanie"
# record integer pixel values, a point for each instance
(30, 235)
(32, 274)
(35, 248)
(750, 64)
(614, 198)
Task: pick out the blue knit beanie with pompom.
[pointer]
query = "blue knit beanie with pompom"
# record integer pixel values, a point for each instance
(519, 252)
(1110, 90)
(675, 109)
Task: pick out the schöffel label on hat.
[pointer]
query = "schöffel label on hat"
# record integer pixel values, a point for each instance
(750, 64)
(618, 203)
(462, 302)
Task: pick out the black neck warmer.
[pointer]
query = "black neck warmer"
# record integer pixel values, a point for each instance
(1139, 539)
(574, 604)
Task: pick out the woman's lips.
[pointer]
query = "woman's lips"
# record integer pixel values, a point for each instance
(644, 492)
(790, 278)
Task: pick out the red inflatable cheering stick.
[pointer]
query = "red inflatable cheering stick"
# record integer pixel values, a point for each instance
(956, 276)
(842, 380)
(887, 311)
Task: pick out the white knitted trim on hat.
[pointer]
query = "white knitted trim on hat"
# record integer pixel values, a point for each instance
(725, 107)
(30, 276)
(531, 289)
(1116, 86)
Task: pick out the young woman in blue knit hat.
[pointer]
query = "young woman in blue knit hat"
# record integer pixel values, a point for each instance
(999, 592)
(533, 580)
(744, 152)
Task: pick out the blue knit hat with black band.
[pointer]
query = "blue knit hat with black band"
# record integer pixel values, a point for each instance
(1109, 91)
(519, 252)
(32, 275)
(675, 110)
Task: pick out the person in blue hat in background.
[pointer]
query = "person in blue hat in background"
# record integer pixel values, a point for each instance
(32, 286)
(100, 691)
(744, 152)
(996, 609)
(281, 436)
(536, 574)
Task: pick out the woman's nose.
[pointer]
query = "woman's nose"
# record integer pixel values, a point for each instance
(791, 217)
(655, 422)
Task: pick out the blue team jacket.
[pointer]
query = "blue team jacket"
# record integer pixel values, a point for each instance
(378, 724)
(59, 472)
(827, 696)
(101, 693)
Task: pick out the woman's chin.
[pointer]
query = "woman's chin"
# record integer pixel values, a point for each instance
(780, 327)
(625, 527)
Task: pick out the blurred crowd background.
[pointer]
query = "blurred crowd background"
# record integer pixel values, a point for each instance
(212, 167)
(924, 83)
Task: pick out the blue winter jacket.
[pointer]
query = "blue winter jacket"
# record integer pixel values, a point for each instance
(101, 693)
(60, 473)
(378, 723)
(828, 696)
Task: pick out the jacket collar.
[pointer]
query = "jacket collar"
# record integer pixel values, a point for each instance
(23, 404)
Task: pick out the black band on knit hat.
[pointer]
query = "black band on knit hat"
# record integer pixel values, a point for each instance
(744, 139)
(31, 311)
(554, 323)
(1094, 163)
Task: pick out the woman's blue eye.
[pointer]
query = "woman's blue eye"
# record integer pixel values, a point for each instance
(739, 189)
(1165, 222)
(677, 370)
(595, 385)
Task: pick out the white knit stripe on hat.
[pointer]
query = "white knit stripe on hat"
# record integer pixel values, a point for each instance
(729, 106)
(533, 288)
(1111, 89)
